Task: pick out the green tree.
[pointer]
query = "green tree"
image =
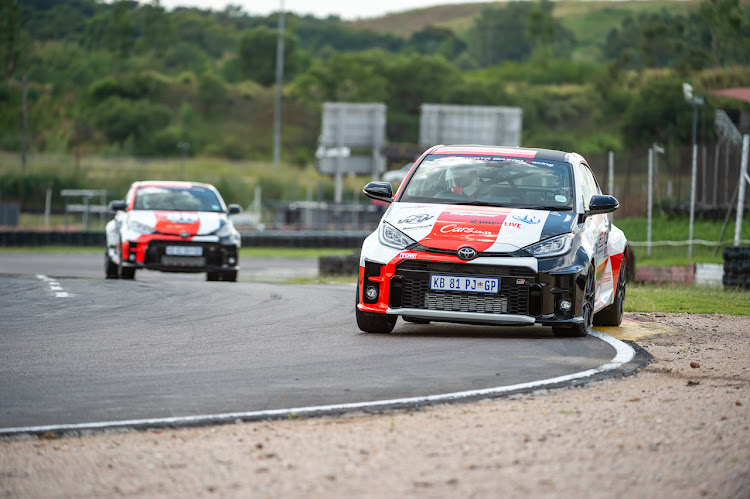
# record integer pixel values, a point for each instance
(258, 55)
(9, 40)
(437, 40)
(120, 34)
(658, 113)
(344, 77)
(157, 32)
(122, 119)
(727, 24)
(212, 93)
(412, 81)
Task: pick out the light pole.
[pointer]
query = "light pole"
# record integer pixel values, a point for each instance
(183, 147)
(696, 101)
(279, 81)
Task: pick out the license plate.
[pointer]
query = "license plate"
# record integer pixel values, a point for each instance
(465, 284)
(185, 250)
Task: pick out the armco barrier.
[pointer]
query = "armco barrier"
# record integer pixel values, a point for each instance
(277, 238)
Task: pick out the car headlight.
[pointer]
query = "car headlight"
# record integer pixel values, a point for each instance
(391, 236)
(553, 246)
(141, 227)
(224, 231)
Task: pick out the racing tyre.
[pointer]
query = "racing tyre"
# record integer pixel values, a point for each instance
(110, 267)
(213, 276)
(124, 272)
(127, 273)
(587, 312)
(229, 276)
(374, 323)
(612, 315)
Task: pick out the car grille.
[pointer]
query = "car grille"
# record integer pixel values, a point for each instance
(512, 299)
(213, 255)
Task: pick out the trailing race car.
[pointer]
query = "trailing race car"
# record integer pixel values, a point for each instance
(494, 235)
(172, 227)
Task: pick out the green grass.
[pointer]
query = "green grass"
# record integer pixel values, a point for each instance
(677, 229)
(681, 298)
(265, 252)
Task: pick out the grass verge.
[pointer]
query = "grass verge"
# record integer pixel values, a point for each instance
(689, 299)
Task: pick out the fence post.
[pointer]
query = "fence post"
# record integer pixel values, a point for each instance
(651, 154)
(744, 178)
(611, 174)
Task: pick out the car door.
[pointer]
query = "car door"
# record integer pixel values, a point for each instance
(597, 231)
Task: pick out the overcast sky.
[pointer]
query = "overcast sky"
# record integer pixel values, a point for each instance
(346, 9)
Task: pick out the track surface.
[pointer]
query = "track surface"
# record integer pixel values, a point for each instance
(170, 345)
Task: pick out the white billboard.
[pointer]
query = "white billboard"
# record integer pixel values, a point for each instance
(454, 124)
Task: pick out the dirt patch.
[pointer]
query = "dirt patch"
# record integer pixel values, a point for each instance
(678, 428)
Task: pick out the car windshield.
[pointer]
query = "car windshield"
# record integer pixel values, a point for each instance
(176, 199)
(492, 181)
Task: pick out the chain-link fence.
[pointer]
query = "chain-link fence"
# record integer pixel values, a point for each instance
(717, 179)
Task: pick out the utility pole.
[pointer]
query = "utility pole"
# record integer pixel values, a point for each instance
(279, 81)
(24, 122)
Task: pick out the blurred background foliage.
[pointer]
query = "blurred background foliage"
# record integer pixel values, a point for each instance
(133, 79)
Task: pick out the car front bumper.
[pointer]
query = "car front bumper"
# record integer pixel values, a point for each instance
(526, 296)
(152, 255)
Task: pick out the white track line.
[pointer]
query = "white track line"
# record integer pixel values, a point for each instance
(54, 286)
(624, 354)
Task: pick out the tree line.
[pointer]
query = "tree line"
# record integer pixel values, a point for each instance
(132, 78)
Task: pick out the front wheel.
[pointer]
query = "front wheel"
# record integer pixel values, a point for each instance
(127, 273)
(587, 313)
(110, 267)
(373, 323)
(612, 315)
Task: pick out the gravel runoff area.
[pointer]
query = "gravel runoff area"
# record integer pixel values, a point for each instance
(680, 427)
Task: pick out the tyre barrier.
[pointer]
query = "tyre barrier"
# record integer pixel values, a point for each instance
(305, 239)
(275, 238)
(736, 267)
(336, 265)
(52, 238)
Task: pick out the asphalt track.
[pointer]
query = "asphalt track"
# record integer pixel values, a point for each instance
(79, 351)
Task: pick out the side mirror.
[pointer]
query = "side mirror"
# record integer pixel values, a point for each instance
(234, 209)
(380, 191)
(116, 206)
(602, 204)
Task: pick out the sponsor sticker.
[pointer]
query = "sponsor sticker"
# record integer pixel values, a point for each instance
(182, 218)
(408, 256)
(528, 219)
(472, 214)
(416, 219)
(455, 229)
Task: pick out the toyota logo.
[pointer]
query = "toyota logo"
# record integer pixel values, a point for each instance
(467, 253)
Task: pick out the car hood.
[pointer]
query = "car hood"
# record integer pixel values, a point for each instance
(485, 228)
(192, 223)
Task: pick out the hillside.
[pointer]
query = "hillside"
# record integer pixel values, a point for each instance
(591, 21)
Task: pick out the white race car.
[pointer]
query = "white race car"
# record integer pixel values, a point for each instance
(172, 227)
(494, 235)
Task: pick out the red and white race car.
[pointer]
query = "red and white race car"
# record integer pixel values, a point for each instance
(494, 235)
(172, 227)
